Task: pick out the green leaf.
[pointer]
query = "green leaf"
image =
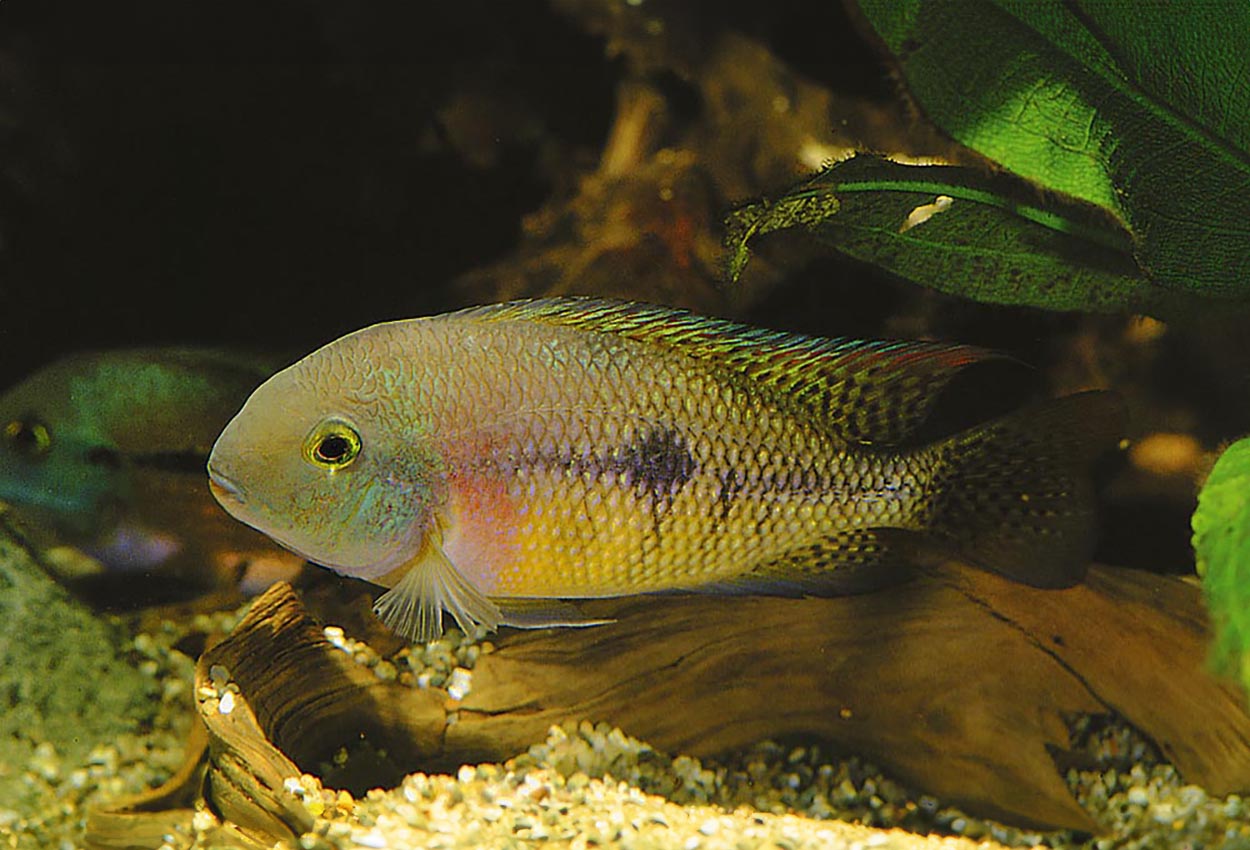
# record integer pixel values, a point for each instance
(1141, 109)
(990, 237)
(806, 209)
(1222, 544)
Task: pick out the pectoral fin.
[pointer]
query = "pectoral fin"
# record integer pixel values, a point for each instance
(431, 584)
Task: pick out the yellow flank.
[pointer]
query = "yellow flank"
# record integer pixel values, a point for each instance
(578, 537)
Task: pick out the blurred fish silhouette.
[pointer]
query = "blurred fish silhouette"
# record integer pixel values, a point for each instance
(104, 452)
(495, 461)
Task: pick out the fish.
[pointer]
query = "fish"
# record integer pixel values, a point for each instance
(501, 462)
(102, 455)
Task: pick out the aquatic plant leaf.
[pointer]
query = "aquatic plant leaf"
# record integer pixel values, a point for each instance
(987, 237)
(805, 207)
(1221, 540)
(1140, 109)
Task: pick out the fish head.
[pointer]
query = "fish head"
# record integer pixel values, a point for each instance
(57, 470)
(319, 460)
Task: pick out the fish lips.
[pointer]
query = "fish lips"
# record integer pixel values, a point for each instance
(226, 491)
(232, 496)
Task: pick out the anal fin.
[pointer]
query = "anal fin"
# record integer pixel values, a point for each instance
(850, 562)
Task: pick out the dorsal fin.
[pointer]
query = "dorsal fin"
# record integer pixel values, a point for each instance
(865, 391)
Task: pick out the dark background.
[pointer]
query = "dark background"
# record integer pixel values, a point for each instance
(274, 174)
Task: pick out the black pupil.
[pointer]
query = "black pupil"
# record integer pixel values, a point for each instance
(333, 448)
(25, 437)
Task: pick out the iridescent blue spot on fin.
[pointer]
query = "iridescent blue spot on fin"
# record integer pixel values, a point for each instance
(132, 547)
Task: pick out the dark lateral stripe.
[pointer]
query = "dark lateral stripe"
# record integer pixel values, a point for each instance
(658, 464)
(731, 481)
(192, 463)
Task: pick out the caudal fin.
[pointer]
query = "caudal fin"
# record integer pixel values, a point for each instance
(1018, 499)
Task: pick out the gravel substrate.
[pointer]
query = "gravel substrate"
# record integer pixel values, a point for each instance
(591, 785)
(588, 786)
(60, 790)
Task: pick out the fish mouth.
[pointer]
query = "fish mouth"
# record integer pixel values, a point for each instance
(224, 489)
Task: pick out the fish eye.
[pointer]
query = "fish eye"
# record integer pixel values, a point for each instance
(333, 444)
(29, 437)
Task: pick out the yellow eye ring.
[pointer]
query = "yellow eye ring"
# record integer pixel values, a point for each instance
(31, 437)
(333, 444)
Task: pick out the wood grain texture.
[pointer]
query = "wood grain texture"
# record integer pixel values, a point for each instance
(960, 683)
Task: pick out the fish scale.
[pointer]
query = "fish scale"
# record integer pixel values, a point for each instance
(495, 460)
(663, 545)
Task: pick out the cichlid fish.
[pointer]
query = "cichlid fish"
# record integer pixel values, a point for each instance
(105, 451)
(492, 461)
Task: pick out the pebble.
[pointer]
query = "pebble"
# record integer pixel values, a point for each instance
(372, 838)
(590, 785)
(203, 821)
(459, 683)
(219, 676)
(54, 813)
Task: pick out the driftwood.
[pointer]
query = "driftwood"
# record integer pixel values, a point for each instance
(960, 683)
(143, 821)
